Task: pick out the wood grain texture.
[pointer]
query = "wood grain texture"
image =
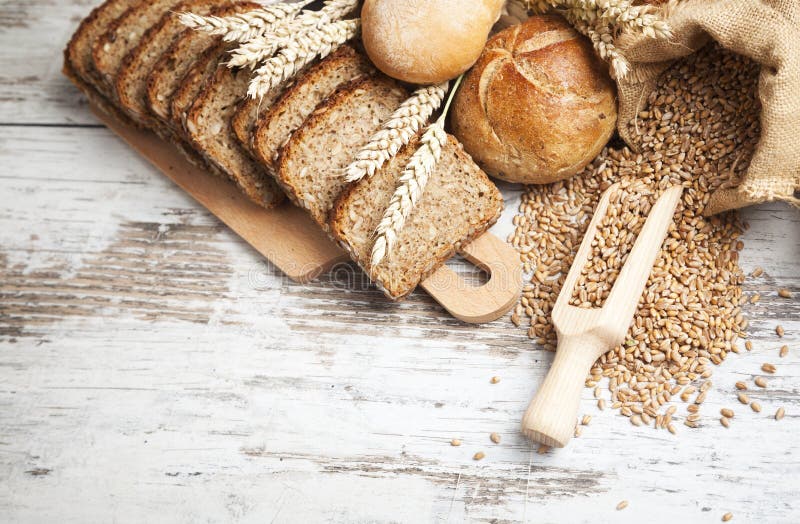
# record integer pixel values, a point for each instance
(154, 368)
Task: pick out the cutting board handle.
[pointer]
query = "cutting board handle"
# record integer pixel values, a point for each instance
(489, 301)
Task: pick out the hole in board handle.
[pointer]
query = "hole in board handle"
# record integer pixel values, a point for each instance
(474, 276)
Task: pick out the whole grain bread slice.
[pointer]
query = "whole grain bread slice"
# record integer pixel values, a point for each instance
(78, 64)
(299, 101)
(173, 65)
(208, 127)
(131, 81)
(311, 166)
(122, 36)
(459, 203)
(248, 114)
(192, 84)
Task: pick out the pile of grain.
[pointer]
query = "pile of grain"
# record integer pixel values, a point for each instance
(700, 129)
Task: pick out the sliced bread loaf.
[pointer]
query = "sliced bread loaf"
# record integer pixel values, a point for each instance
(300, 100)
(208, 127)
(459, 203)
(171, 68)
(122, 36)
(78, 65)
(311, 165)
(131, 81)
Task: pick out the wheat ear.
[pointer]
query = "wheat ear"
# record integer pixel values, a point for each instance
(397, 131)
(245, 26)
(299, 53)
(411, 184)
(265, 45)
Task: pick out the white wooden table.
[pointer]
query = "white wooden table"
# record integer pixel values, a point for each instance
(154, 368)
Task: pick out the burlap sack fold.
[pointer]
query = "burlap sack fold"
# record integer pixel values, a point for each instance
(766, 31)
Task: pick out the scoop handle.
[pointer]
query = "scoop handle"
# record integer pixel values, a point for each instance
(551, 415)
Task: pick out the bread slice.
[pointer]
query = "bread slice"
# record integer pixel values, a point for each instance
(131, 81)
(299, 101)
(173, 65)
(459, 203)
(248, 114)
(192, 84)
(123, 35)
(311, 165)
(78, 65)
(208, 127)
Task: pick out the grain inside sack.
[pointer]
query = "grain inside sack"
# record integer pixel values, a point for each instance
(699, 129)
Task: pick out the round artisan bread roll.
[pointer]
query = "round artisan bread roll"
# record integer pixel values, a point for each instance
(539, 104)
(426, 41)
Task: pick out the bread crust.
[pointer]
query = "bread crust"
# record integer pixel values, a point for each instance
(538, 106)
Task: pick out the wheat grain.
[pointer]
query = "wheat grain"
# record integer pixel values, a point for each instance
(244, 26)
(315, 43)
(397, 131)
(744, 399)
(411, 185)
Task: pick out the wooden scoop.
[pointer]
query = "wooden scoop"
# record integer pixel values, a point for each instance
(585, 334)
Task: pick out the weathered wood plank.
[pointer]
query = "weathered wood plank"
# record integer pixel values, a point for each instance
(32, 36)
(148, 355)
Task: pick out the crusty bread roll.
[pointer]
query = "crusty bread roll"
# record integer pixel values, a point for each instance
(426, 41)
(538, 106)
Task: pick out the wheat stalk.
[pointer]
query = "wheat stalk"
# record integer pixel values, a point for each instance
(397, 131)
(300, 52)
(244, 26)
(265, 45)
(411, 184)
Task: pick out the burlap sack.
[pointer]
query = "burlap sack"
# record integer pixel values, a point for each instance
(766, 31)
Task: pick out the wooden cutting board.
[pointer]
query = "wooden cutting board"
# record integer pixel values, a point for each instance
(288, 237)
